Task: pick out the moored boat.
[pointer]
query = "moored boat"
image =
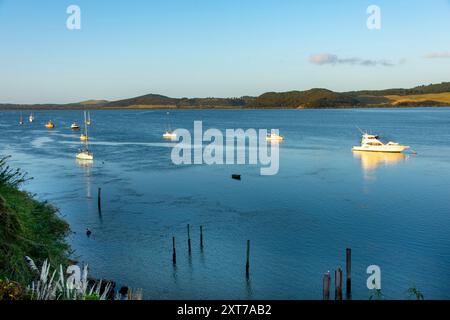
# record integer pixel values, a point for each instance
(74, 126)
(50, 125)
(169, 135)
(274, 137)
(85, 154)
(371, 143)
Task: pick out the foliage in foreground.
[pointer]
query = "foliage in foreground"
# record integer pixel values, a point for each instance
(54, 285)
(27, 228)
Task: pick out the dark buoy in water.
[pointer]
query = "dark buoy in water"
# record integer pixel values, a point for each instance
(236, 176)
(88, 232)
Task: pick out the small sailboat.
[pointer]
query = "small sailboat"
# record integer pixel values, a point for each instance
(31, 118)
(88, 121)
(84, 153)
(21, 119)
(50, 124)
(84, 135)
(371, 142)
(274, 137)
(74, 126)
(169, 134)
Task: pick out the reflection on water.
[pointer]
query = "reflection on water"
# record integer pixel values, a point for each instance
(370, 161)
(86, 165)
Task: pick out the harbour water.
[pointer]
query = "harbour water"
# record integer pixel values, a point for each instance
(392, 210)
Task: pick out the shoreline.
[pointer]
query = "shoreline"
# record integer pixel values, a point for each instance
(153, 107)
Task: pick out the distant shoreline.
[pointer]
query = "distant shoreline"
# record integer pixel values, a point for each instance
(150, 107)
(433, 95)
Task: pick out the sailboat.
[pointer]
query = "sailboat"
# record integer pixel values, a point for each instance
(169, 134)
(85, 154)
(31, 118)
(21, 119)
(84, 136)
(88, 122)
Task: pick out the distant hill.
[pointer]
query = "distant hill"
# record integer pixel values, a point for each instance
(314, 98)
(426, 95)
(94, 102)
(425, 89)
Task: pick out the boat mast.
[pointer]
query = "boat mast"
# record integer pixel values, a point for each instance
(85, 132)
(169, 127)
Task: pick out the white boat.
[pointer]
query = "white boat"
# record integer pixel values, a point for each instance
(74, 126)
(169, 135)
(370, 142)
(31, 118)
(21, 119)
(85, 154)
(274, 137)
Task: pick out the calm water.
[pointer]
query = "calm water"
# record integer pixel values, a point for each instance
(393, 211)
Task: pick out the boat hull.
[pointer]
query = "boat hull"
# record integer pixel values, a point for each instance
(85, 156)
(385, 148)
(170, 136)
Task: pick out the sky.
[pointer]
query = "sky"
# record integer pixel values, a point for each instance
(220, 48)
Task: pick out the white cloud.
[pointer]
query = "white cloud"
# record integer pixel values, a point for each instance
(327, 58)
(434, 55)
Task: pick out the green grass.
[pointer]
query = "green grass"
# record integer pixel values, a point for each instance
(28, 228)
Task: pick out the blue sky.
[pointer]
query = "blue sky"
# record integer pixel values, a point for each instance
(226, 48)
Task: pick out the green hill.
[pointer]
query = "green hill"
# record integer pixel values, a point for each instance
(313, 98)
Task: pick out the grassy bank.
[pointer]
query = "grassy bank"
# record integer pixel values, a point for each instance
(27, 228)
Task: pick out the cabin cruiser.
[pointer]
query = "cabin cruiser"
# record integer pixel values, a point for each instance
(370, 142)
(274, 137)
(75, 126)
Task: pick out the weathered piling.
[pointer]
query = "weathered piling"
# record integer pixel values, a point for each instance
(99, 200)
(189, 238)
(174, 254)
(247, 265)
(201, 237)
(326, 285)
(348, 269)
(338, 284)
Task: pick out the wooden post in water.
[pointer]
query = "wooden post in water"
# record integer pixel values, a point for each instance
(189, 238)
(338, 284)
(174, 255)
(247, 265)
(348, 269)
(326, 285)
(201, 237)
(99, 200)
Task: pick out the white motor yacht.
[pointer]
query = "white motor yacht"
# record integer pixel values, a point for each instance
(370, 142)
